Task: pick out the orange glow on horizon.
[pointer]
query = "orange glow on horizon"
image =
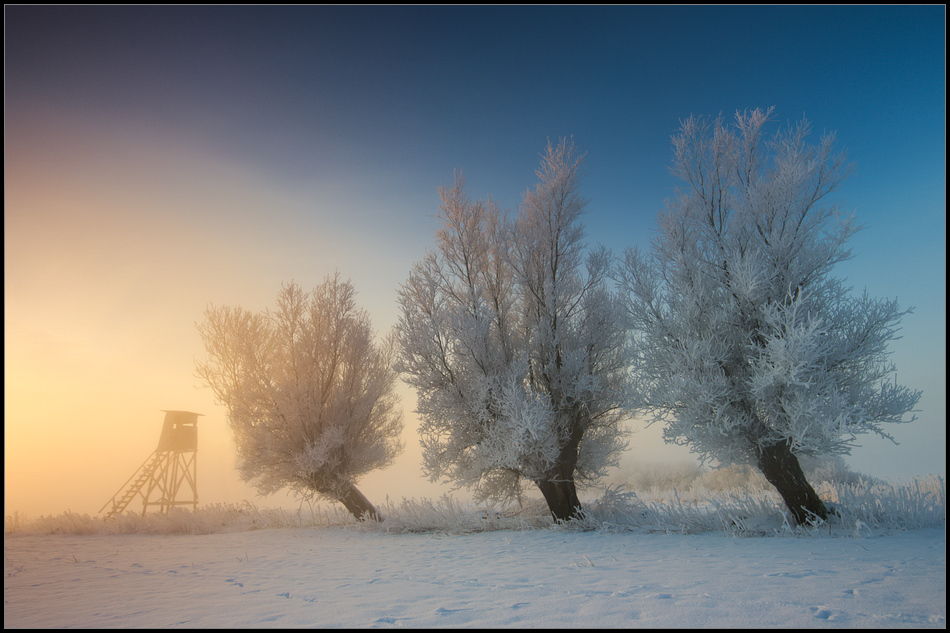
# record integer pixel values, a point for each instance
(113, 250)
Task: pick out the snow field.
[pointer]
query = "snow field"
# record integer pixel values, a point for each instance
(700, 558)
(343, 577)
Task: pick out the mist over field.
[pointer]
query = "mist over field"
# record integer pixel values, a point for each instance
(319, 146)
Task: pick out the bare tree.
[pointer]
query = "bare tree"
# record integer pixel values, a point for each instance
(746, 347)
(310, 396)
(514, 344)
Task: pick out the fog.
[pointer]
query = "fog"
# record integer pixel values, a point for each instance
(138, 191)
(77, 462)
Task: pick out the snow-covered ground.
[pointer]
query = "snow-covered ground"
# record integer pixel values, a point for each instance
(728, 561)
(345, 577)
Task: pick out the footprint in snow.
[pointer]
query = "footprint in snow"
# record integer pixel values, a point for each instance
(444, 611)
(272, 618)
(821, 613)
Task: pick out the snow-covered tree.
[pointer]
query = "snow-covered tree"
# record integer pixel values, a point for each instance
(746, 347)
(310, 395)
(514, 344)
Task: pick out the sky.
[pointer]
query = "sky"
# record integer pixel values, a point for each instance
(161, 159)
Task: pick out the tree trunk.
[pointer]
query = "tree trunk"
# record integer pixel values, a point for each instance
(558, 486)
(358, 505)
(561, 497)
(781, 468)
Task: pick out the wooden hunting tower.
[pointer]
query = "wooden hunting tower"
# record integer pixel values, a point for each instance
(159, 479)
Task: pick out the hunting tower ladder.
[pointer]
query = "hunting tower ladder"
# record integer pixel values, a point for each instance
(160, 477)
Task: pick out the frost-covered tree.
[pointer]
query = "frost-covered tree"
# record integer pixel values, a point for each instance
(514, 344)
(746, 347)
(310, 395)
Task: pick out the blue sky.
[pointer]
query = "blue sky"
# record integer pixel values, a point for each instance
(161, 158)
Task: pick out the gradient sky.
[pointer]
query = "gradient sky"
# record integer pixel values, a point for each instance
(158, 159)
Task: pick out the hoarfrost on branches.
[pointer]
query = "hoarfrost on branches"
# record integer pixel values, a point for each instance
(515, 344)
(310, 396)
(746, 347)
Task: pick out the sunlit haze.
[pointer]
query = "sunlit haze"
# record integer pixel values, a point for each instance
(161, 159)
